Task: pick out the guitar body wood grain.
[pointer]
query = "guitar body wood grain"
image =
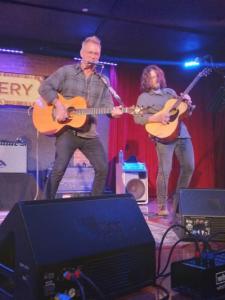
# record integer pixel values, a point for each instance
(45, 122)
(168, 132)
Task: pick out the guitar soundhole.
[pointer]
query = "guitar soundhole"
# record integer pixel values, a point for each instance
(67, 120)
(70, 110)
(173, 114)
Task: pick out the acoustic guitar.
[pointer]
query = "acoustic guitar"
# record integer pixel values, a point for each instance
(178, 109)
(44, 114)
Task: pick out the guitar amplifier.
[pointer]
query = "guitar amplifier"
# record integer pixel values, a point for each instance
(132, 178)
(202, 212)
(13, 157)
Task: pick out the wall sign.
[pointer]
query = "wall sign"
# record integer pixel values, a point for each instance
(19, 89)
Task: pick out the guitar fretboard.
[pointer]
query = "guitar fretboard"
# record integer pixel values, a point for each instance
(192, 84)
(96, 111)
(189, 88)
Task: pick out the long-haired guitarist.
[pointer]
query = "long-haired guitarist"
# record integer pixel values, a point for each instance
(154, 96)
(79, 79)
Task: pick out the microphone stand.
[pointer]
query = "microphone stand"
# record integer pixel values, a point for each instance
(111, 89)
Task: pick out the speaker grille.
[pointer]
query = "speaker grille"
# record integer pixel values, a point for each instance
(135, 183)
(122, 268)
(136, 187)
(208, 202)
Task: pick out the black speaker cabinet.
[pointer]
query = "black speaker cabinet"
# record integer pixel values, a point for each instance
(17, 187)
(104, 239)
(202, 212)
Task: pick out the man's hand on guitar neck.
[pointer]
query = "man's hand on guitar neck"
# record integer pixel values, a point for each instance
(116, 111)
(188, 100)
(60, 112)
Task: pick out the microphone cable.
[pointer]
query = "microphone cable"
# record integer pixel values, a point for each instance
(76, 275)
(96, 288)
(29, 112)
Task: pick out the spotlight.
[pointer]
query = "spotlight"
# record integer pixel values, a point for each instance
(192, 63)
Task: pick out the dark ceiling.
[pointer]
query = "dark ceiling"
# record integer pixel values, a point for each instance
(145, 29)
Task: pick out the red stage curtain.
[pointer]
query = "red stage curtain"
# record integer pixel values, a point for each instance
(220, 147)
(133, 139)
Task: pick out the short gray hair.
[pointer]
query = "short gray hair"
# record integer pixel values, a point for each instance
(91, 39)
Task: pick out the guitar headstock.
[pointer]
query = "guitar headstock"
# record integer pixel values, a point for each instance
(205, 72)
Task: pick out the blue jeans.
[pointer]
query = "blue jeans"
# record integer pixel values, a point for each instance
(183, 150)
(66, 143)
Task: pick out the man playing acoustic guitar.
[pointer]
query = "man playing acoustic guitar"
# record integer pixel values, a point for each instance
(79, 79)
(155, 95)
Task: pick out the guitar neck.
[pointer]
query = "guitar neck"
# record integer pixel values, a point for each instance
(188, 89)
(97, 111)
(192, 84)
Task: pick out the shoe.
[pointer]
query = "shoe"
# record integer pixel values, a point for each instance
(163, 212)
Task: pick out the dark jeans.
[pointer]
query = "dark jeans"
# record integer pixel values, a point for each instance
(66, 143)
(184, 152)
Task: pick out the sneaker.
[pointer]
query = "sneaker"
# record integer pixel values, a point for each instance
(163, 212)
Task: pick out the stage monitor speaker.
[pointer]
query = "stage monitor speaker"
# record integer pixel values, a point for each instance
(105, 240)
(16, 187)
(134, 182)
(202, 212)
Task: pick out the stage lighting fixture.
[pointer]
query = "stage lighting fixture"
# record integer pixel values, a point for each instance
(192, 63)
(13, 51)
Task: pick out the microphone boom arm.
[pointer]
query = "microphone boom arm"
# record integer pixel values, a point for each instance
(111, 89)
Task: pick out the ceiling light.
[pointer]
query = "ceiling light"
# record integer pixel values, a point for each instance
(11, 51)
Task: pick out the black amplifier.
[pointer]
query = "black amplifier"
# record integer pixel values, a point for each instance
(202, 278)
(13, 157)
(202, 212)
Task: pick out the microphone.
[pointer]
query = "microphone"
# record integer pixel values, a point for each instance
(95, 63)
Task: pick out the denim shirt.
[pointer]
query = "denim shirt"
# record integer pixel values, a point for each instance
(156, 100)
(70, 81)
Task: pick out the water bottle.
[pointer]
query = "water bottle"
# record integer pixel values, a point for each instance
(120, 157)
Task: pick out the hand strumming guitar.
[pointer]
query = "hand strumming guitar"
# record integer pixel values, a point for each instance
(160, 117)
(60, 111)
